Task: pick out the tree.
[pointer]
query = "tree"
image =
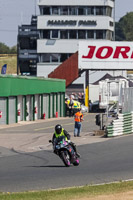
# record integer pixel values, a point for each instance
(119, 35)
(4, 49)
(13, 50)
(124, 28)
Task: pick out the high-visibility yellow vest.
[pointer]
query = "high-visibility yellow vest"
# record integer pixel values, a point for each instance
(61, 134)
(76, 104)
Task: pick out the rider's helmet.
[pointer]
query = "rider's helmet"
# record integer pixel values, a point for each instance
(58, 128)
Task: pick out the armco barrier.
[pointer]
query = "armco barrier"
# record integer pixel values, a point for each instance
(121, 126)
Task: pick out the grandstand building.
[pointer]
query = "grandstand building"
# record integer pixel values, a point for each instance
(61, 24)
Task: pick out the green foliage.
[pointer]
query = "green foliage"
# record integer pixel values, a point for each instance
(119, 35)
(13, 50)
(4, 49)
(124, 28)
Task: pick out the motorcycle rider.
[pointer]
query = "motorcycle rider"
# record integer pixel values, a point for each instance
(59, 131)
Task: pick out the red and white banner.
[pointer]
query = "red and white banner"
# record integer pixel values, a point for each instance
(104, 55)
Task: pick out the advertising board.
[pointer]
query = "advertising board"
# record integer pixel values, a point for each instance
(105, 55)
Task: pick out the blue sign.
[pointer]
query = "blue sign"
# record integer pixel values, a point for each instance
(3, 70)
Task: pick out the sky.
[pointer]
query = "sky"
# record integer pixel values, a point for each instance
(16, 12)
(13, 13)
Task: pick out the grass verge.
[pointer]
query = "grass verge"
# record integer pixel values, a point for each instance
(11, 61)
(72, 193)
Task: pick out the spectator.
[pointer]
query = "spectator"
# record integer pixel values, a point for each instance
(83, 98)
(71, 104)
(78, 125)
(90, 106)
(72, 96)
(66, 106)
(79, 97)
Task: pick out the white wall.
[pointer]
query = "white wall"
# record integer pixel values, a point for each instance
(44, 70)
(58, 46)
(93, 92)
(102, 22)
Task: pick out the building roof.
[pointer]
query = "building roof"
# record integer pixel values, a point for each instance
(106, 76)
(110, 77)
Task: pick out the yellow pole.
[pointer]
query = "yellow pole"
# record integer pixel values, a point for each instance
(87, 97)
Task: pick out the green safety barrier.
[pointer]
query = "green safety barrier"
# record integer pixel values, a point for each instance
(122, 125)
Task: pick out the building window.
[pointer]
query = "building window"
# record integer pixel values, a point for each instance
(64, 34)
(99, 10)
(90, 10)
(64, 11)
(100, 34)
(48, 58)
(82, 10)
(55, 10)
(70, 54)
(76, 10)
(72, 10)
(109, 11)
(54, 57)
(109, 35)
(45, 58)
(33, 43)
(46, 34)
(46, 10)
(81, 34)
(24, 43)
(111, 23)
(72, 34)
(41, 10)
(63, 57)
(90, 34)
(54, 34)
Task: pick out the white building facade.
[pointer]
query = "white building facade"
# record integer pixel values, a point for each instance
(63, 23)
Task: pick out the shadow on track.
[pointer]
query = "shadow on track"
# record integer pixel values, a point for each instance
(48, 166)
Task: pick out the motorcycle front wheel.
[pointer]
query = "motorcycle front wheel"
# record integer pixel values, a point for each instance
(65, 158)
(76, 162)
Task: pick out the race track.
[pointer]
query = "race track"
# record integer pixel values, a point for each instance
(101, 162)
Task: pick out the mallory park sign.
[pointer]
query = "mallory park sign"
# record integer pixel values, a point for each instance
(105, 55)
(71, 23)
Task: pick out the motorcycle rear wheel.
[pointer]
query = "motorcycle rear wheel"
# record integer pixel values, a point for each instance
(65, 158)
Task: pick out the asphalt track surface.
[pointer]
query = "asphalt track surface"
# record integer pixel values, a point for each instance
(101, 162)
